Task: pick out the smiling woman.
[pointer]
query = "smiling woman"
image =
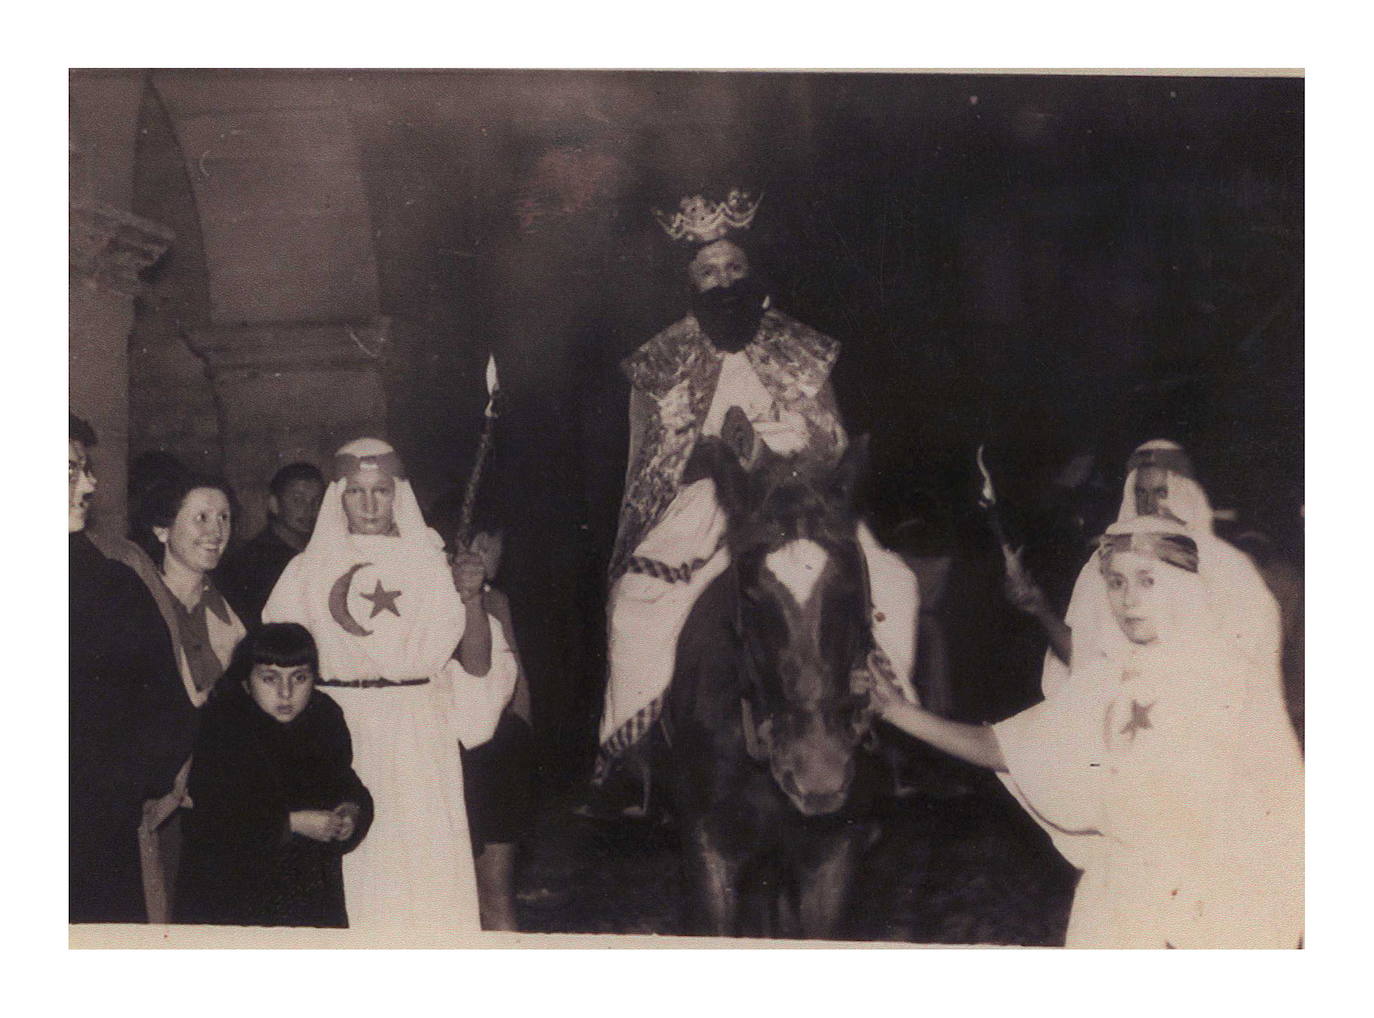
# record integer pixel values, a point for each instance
(184, 525)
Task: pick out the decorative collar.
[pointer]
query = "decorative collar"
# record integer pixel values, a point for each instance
(783, 350)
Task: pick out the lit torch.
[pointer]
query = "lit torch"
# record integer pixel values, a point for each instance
(480, 460)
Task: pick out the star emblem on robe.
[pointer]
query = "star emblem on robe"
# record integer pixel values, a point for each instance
(382, 601)
(1140, 718)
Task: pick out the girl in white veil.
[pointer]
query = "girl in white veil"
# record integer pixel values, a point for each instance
(1157, 769)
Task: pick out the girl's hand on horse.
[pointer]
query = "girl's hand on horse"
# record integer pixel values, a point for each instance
(887, 697)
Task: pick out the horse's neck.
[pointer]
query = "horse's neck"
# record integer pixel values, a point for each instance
(712, 680)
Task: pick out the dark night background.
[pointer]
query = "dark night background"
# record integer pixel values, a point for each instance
(1058, 266)
(1053, 266)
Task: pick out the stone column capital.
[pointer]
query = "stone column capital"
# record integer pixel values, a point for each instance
(108, 247)
(291, 346)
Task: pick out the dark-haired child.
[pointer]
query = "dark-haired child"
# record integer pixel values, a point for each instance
(275, 801)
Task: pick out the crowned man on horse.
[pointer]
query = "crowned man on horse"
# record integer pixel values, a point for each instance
(738, 369)
(734, 367)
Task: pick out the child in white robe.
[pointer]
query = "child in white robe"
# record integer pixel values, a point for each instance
(375, 590)
(1162, 768)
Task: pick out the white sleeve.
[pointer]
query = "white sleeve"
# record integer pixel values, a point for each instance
(896, 597)
(1055, 771)
(478, 700)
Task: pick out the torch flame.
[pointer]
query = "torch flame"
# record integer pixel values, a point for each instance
(989, 496)
(492, 385)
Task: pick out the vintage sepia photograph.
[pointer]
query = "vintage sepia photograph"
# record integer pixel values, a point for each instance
(735, 507)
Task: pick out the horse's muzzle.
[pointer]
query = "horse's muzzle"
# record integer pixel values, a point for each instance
(815, 798)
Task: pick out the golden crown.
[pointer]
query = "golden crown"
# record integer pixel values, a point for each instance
(700, 220)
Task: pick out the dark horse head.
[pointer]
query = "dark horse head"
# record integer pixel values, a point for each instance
(801, 615)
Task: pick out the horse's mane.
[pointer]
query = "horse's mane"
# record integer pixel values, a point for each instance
(783, 497)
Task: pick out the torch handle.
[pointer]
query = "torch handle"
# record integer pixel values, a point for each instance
(1012, 560)
(474, 481)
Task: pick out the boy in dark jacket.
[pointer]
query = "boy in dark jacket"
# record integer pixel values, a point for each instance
(275, 800)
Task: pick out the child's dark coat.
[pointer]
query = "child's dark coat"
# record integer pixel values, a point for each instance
(241, 864)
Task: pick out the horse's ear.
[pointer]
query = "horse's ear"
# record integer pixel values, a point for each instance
(851, 468)
(715, 459)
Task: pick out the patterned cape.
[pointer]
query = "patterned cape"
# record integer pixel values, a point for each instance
(677, 370)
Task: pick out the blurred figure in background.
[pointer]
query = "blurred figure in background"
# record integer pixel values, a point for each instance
(250, 571)
(498, 776)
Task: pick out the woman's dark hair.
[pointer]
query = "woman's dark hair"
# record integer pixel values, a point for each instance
(160, 504)
(282, 644)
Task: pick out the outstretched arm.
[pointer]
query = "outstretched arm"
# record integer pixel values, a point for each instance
(975, 744)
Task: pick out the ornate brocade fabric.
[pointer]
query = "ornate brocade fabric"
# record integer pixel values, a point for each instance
(678, 370)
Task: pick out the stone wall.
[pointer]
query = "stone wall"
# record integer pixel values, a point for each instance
(263, 341)
(109, 250)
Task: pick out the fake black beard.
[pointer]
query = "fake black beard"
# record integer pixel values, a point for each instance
(730, 315)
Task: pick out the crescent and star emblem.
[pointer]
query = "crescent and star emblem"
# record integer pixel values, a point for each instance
(381, 598)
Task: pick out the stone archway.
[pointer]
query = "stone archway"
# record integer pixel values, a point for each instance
(263, 341)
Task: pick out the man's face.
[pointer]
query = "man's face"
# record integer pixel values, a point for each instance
(80, 485)
(1151, 490)
(298, 505)
(718, 264)
(368, 500)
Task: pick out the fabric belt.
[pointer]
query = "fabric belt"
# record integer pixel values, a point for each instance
(662, 571)
(370, 683)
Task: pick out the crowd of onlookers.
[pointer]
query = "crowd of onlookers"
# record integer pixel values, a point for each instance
(212, 780)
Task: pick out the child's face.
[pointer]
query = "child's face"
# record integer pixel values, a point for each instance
(1133, 591)
(281, 692)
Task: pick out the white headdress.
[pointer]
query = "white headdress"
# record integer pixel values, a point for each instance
(410, 635)
(1187, 500)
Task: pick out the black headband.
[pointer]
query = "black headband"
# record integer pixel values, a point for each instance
(1175, 461)
(1175, 549)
